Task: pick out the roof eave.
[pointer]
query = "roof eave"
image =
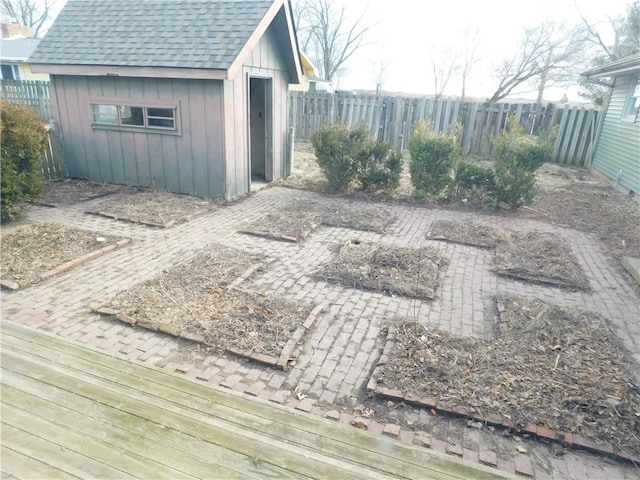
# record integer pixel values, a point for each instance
(129, 71)
(629, 64)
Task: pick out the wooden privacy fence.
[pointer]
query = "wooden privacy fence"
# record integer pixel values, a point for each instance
(392, 119)
(34, 93)
(52, 164)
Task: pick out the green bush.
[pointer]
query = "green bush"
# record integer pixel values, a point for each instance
(433, 159)
(379, 167)
(474, 181)
(24, 141)
(348, 158)
(517, 157)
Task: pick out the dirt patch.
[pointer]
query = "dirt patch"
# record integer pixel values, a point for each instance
(158, 208)
(612, 216)
(556, 367)
(28, 251)
(70, 190)
(385, 268)
(296, 220)
(535, 257)
(193, 297)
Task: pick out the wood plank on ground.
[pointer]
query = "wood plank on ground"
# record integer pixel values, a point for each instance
(243, 424)
(349, 443)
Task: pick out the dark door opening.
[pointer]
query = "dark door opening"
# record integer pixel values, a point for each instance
(260, 129)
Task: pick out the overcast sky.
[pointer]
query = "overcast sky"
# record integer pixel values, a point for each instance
(406, 31)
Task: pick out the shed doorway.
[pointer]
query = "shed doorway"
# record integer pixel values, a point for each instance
(260, 131)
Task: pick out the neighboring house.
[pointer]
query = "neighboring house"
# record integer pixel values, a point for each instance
(310, 81)
(617, 153)
(14, 52)
(190, 95)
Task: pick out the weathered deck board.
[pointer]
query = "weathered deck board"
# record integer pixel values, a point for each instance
(72, 411)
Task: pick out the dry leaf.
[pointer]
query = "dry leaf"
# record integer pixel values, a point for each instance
(521, 449)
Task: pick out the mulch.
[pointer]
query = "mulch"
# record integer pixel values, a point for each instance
(195, 297)
(410, 272)
(536, 257)
(155, 208)
(296, 221)
(561, 368)
(70, 190)
(29, 251)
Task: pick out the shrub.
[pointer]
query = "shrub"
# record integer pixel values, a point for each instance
(347, 157)
(334, 147)
(474, 181)
(433, 158)
(517, 157)
(379, 167)
(24, 141)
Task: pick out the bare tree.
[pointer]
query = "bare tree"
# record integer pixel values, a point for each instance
(625, 32)
(328, 34)
(546, 51)
(468, 56)
(379, 67)
(31, 13)
(443, 65)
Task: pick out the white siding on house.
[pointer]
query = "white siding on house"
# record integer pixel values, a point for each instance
(619, 144)
(190, 162)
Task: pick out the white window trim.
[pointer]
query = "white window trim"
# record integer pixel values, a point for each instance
(17, 72)
(631, 105)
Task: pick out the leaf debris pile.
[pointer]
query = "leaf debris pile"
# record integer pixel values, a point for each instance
(71, 190)
(468, 233)
(561, 368)
(302, 216)
(538, 257)
(157, 206)
(386, 268)
(30, 250)
(193, 297)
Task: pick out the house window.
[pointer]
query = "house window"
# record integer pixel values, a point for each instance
(632, 103)
(10, 72)
(134, 117)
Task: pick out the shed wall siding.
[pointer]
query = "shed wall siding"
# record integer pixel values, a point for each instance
(265, 60)
(619, 145)
(192, 162)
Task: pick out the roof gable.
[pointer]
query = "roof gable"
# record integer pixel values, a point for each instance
(192, 34)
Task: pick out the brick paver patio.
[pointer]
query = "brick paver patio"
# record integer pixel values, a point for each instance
(345, 343)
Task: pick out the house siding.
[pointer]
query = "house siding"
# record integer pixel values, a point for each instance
(619, 144)
(191, 162)
(264, 60)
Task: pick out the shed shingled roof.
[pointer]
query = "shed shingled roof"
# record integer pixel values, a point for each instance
(205, 34)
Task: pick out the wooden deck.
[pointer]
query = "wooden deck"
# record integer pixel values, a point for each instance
(69, 411)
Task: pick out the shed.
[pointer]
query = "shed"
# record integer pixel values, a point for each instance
(617, 153)
(187, 95)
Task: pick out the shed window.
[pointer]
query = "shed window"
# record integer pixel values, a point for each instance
(133, 116)
(632, 103)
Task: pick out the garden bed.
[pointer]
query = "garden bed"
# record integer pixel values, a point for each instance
(155, 208)
(387, 269)
(560, 368)
(70, 190)
(297, 220)
(33, 252)
(535, 257)
(199, 299)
